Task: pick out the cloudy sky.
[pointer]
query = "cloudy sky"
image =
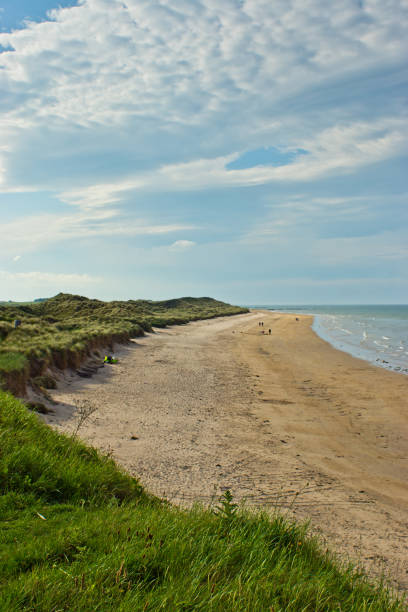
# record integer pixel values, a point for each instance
(250, 150)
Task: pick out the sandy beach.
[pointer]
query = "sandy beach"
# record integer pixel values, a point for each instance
(283, 420)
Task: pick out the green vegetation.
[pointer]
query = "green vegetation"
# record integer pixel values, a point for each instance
(14, 372)
(77, 533)
(10, 362)
(63, 331)
(11, 303)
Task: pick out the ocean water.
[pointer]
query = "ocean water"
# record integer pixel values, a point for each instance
(376, 333)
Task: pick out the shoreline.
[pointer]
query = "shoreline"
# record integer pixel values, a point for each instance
(193, 410)
(367, 355)
(358, 353)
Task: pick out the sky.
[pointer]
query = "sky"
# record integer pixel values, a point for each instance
(247, 150)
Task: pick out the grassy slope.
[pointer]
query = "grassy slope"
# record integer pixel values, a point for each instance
(62, 331)
(106, 545)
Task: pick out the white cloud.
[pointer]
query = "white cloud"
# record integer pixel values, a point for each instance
(103, 61)
(307, 282)
(17, 258)
(49, 278)
(113, 101)
(181, 245)
(214, 76)
(329, 233)
(342, 148)
(383, 246)
(101, 194)
(40, 230)
(284, 221)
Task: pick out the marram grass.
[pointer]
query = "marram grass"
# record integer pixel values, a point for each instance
(63, 331)
(11, 362)
(77, 533)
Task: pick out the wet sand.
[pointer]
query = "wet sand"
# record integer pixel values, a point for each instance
(282, 420)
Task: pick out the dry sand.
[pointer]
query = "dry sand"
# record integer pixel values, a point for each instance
(283, 420)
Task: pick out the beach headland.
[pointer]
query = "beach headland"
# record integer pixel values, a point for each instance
(282, 420)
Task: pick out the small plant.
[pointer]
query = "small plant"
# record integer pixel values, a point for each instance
(226, 509)
(84, 409)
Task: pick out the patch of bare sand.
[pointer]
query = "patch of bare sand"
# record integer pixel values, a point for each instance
(196, 409)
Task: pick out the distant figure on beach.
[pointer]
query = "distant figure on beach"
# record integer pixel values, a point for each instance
(110, 359)
(297, 319)
(270, 331)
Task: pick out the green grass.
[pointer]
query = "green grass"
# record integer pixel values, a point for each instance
(11, 303)
(11, 362)
(63, 331)
(77, 533)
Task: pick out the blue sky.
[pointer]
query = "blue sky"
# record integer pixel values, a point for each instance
(15, 13)
(249, 150)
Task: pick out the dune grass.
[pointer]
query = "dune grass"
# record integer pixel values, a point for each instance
(11, 362)
(63, 331)
(77, 533)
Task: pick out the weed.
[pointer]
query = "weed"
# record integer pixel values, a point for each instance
(84, 410)
(226, 509)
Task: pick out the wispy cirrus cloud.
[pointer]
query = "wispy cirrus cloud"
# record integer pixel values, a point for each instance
(49, 278)
(337, 234)
(37, 283)
(341, 216)
(340, 149)
(44, 229)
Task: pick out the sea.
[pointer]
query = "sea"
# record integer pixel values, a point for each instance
(375, 333)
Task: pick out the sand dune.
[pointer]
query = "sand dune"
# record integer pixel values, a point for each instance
(283, 420)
